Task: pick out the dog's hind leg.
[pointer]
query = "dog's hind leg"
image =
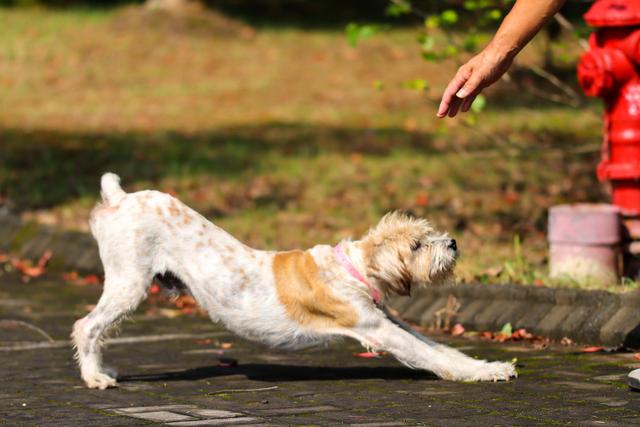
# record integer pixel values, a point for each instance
(120, 296)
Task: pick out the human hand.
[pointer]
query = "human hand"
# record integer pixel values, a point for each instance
(479, 72)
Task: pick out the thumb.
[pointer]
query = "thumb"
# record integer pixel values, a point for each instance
(471, 86)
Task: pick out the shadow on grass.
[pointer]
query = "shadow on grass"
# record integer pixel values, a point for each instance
(277, 373)
(44, 168)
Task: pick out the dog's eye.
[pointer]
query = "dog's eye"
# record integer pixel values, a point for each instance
(416, 245)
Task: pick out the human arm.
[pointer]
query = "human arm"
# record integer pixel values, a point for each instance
(519, 26)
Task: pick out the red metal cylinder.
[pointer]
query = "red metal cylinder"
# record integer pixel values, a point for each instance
(610, 70)
(584, 243)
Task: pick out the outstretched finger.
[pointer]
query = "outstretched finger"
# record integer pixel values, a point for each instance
(466, 104)
(454, 106)
(449, 93)
(471, 86)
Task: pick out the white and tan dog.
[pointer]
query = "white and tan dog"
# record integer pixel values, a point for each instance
(288, 299)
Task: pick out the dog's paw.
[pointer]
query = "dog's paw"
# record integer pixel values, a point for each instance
(494, 371)
(100, 381)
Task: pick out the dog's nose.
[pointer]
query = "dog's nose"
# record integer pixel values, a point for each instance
(453, 245)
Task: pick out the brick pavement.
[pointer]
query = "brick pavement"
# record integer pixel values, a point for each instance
(172, 374)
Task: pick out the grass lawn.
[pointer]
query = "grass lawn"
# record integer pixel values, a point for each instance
(279, 135)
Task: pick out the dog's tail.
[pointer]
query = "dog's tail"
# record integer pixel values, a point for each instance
(111, 192)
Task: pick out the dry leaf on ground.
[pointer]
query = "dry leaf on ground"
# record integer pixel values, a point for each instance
(370, 354)
(592, 349)
(457, 330)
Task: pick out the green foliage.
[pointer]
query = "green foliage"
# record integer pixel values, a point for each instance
(479, 104)
(357, 32)
(449, 17)
(464, 28)
(398, 8)
(515, 270)
(471, 19)
(518, 269)
(416, 84)
(507, 329)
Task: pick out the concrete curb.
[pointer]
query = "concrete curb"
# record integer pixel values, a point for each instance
(72, 250)
(594, 317)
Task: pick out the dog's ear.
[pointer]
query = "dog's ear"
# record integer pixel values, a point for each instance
(388, 252)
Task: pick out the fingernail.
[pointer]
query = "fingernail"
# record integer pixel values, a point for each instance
(461, 93)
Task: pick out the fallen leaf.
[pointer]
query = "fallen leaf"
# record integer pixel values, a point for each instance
(154, 289)
(71, 276)
(369, 354)
(457, 330)
(500, 337)
(522, 334)
(91, 279)
(78, 280)
(422, 200)
(593, 349)
(636, 356)
(44, 259)
(204, 341)
(32, 271)
(226, 345)
(511, 197)
(169, 313)
(29, 270)
(184, 301)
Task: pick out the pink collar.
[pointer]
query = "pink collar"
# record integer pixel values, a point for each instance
(342, 258)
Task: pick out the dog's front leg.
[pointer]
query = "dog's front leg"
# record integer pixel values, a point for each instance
(419, 352)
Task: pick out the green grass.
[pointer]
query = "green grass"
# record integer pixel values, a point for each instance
(278, 135)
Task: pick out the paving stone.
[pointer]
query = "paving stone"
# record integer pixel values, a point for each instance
(161, 416)
(615, 377)
(140, 409)
(615, 403)
(321, 386)
(214, 413)
(219, 422)
(296, 410)
(579, 385)
(380, 424)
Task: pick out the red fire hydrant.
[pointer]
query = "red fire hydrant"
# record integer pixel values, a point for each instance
(610, 70)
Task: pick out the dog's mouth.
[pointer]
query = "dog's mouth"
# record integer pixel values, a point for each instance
(446, 273)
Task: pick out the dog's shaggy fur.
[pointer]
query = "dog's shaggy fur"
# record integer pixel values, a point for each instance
(290, 299)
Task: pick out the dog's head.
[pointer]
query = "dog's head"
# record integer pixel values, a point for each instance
(404, 251)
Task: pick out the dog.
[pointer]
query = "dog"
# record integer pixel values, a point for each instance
(291, 299)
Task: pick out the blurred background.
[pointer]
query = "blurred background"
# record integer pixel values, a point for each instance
(296, 122)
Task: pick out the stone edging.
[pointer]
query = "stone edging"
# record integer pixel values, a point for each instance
(72, 250)
(595, 317)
